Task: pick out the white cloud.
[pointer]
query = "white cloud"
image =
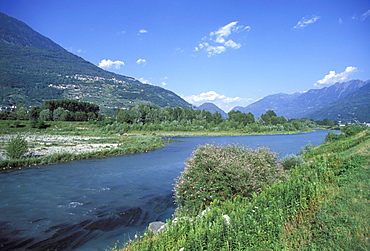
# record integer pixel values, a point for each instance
(365, 15)
(222, 101)
(306, 21)
(232, 44)
(164, 83)
(333, 77)
(108, 64)
(145, 81)
(141, 61)
(177, 51)
(142, 31)
(71, 49)
(213, 50)
(217, 41)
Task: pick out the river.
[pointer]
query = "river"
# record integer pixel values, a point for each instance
(92, 204)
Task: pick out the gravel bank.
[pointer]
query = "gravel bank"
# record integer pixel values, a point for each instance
(43, 145)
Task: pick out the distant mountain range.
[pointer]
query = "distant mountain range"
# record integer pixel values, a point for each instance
(346, 101)
(212, 108)
(33, 68)
(354, 106)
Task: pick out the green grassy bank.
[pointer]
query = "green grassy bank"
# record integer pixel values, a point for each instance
(323, 205)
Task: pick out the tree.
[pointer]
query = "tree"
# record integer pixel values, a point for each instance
(241, 117)
(20, 112)
(16, 147)
(216, 118)
(34, 113)
(46, 115)
(66, 116)
(80, 116)
(57, 113)
(266, 117)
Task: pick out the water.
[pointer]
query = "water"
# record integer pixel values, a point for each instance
(90, 204)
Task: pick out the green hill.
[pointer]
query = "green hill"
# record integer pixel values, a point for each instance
(33, 69)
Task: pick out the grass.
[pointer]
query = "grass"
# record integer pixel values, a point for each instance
(324, 205)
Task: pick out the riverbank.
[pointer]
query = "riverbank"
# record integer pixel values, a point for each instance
(220, 133)
(50, 148)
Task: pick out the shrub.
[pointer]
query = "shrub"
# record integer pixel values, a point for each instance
(351, 130)
(39, 124)
(307, 148)
(291, 160)
(331, 136)
(222, 172)
(16, 147)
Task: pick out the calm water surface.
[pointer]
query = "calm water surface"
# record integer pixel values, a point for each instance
(90, 204)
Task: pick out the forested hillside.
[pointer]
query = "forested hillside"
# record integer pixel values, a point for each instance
(33, 69)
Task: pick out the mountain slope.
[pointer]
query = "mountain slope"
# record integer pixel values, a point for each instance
(15, 32)
(33, 68)
(277, 102)
(300, 105)
(316, 99)
(212, 108)
(355, 106)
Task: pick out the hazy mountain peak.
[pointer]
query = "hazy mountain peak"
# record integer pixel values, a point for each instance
(212, 108)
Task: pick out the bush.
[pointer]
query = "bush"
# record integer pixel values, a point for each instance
(39, 124)
(16, 147)
(331, 136)
(222, 172)
(351, 130)
(291, 160)
(307, 148)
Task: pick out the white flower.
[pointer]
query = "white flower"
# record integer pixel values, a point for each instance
(227, 218)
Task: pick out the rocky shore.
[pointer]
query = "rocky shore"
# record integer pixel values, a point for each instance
(44, 145)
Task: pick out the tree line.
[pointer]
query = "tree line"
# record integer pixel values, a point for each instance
(150, 118)
(54, 110)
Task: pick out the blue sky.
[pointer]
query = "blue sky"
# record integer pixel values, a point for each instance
(229, 52)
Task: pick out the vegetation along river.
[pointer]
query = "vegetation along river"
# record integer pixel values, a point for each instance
(91, 204)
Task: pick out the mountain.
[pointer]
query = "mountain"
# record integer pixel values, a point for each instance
(355, 106)
(33, 68)
(212, 108)
(300, 105)
(15, 32)
(276, 102)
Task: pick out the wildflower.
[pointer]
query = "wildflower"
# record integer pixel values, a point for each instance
(227, 218)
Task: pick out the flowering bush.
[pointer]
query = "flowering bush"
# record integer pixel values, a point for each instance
(222, 172)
